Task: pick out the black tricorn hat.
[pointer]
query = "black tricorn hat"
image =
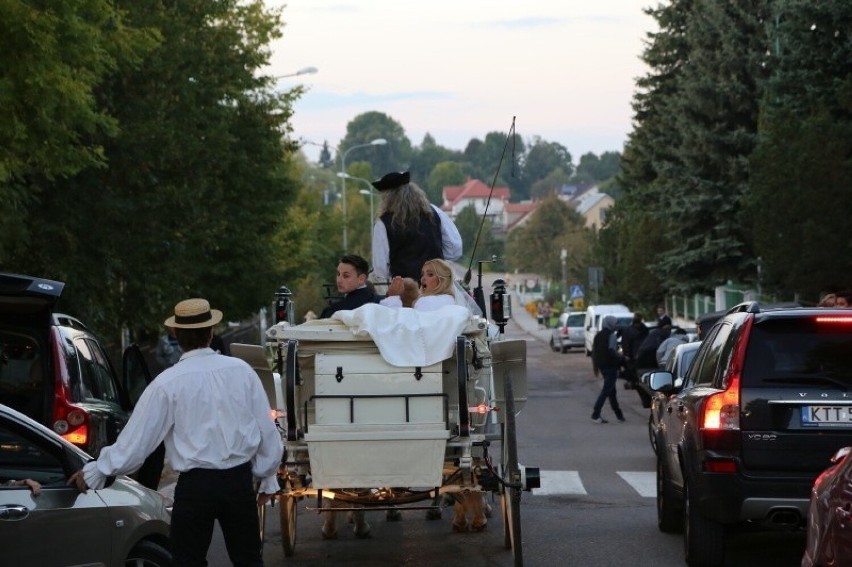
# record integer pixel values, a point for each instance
(392, 180)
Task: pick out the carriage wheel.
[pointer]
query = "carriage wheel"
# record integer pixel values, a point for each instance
(511, 498)
(290, 395)
(461, 371)
(287, 507)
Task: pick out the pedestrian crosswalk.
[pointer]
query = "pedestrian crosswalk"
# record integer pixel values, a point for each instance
(570, 483)
(559, 483)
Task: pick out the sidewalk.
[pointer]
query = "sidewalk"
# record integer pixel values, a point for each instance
(520, 316)
(527, 322)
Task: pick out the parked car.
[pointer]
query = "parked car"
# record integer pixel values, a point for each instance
(830, 513)
(568, 332)
(122, 524)
(678, 363)
(54, 369)
(742, 441)
(594, 319)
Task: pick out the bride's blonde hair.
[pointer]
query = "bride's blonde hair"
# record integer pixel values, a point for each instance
(445, 276)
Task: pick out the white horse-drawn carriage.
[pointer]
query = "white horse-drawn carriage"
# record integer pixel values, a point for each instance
(396, 408)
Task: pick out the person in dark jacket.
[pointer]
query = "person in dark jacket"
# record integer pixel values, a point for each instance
(607, 360)
(631, 339)
(646, 358)
(352, 283)
(410, 230)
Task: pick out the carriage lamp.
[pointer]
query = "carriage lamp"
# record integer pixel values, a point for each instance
(501, 304)
(283, 305)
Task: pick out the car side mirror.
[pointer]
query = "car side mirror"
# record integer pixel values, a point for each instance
(661, 381)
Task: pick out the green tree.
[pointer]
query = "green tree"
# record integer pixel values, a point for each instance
(197, 182)
(594, 169)
(497, 160)
(550, 183)
(541, 161)
(800, 171)
(478, 237)
(50, 122)
(423, 161)
(444, 174)
(369, 126)
(536, 246)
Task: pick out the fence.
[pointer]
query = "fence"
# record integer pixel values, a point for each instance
(726, 296)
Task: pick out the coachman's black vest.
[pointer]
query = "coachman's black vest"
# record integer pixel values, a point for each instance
(410, 247)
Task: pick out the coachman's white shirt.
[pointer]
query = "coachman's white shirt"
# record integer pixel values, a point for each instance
(211, 411)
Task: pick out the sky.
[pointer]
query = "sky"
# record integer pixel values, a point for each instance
(564, 70)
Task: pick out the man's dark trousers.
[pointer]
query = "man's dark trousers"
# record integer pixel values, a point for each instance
(205, 495)
(610, 375)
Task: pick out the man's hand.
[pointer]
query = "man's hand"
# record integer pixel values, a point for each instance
(396, 286)
(78, 481)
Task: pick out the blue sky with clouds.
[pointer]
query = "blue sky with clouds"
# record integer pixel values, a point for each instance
(460, 69)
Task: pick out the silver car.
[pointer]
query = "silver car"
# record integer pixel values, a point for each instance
(123, 524)
(568, 332)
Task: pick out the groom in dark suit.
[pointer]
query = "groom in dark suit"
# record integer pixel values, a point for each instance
(352, 283)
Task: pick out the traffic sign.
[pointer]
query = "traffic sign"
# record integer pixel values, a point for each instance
(577, 292)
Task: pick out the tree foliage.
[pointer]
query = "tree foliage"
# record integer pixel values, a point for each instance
(196, 182)
(536, 246)
(51, 124)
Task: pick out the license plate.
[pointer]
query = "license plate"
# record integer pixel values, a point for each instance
(826, 416)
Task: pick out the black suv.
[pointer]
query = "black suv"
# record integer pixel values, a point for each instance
(764, 405)
(54, 370)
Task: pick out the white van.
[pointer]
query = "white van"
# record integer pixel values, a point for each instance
(594, 319)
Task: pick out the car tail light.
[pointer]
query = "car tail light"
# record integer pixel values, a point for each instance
(839, 319)
(722, 410)
(71, 422)
(720, 465)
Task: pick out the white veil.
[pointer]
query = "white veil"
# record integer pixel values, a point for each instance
(464, 299)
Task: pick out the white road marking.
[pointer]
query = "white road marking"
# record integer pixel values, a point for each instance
(645, 483)
(560, 482)
(556, 483)
(569, 483)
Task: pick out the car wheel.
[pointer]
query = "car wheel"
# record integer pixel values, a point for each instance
(668, 512)
(565, 349)
(553, 346)
(703, 539)
(148, 554)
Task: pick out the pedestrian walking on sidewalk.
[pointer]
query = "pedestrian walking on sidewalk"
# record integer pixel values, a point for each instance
(606, 361)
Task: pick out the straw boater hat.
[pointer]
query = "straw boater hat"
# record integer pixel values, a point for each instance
(193, 314)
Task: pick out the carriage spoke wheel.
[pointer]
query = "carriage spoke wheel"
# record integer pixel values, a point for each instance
(511, 498)
(287, 509)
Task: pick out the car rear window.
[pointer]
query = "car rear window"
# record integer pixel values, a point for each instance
(813, 351)
(20, 372)
(575, 320)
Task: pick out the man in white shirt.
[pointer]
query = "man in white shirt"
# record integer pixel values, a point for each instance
(211, 412)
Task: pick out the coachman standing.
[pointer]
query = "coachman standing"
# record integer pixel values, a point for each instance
(410, 230)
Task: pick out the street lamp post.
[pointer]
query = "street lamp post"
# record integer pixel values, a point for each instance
(343, 175)
(370, 193)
